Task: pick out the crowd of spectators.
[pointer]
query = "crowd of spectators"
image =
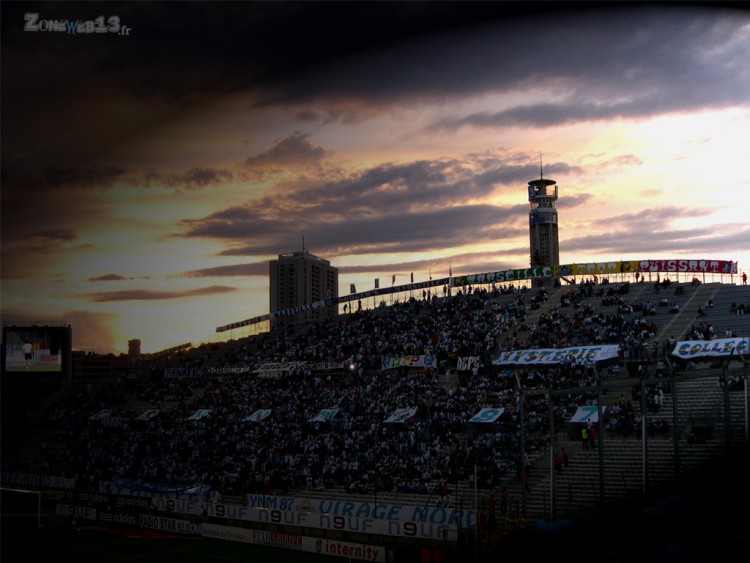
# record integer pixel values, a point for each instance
(357, 450)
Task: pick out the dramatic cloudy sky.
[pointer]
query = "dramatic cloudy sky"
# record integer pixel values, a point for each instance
(148, 176)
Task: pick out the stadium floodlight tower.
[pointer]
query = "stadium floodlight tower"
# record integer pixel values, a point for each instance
(544, 244)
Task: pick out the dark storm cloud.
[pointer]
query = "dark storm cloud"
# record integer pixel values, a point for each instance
(108, 277)
(651, 232)
(643, 62)
(410, 207)
(650, 220)
(664, 243)
(382, 186)
(115, 277)
(176, 51)
(200, 177)
(498, 173)
(46, 241)
(418, 184)
(293, 150)
(54, 235)
(105, 177)
(418, 231)
(145, 294)
(74, 195)
(22, 251)
(397, 232)
(547, 115)
(604, 60)
(254, 269)
(49, 197)
(181, 50)
(19, 182)
(83, 177)
(194, 179)
(601, 62)
(178, 55)
(571, 201)
(308, 115)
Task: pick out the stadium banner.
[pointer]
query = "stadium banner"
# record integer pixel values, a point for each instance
(101, 415)
(719, 347)
(600, 268)
(259, 415)
(198, 372)
(584, 414)
(246, 322)
(183, 372)
(200, 413)
(34, 480)
(402, 415)
(543, 356)
(390, 290)
(297, 310)
(504, 276)
(105, 418)
(325, 415)
(115, 422)
(171, 525)
(404, 521)
(226, 370)
(426, 361)
(147, 414)
(297, 542)
(74, 511)
(487, 415)
(138, 488)
(688, 266)
(280, 368)
(297, 367)
(123, 502)
(468, 363)
(123, 517)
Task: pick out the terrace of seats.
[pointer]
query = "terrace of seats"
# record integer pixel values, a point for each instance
(623, 455)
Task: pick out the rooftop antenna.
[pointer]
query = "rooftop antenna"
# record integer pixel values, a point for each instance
(541, 175)
(303, 244)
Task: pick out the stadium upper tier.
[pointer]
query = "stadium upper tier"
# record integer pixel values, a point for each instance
(626, 271)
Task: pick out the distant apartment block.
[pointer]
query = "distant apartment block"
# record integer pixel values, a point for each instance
(299, 279)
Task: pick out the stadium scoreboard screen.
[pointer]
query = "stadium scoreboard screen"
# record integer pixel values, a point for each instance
(30, 350)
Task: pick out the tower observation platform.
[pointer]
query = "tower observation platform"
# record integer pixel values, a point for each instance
(543, 221)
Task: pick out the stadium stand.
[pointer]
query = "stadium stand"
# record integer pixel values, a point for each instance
(186, 420)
